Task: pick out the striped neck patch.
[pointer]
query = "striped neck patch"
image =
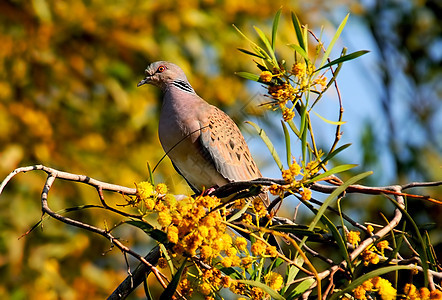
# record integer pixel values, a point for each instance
(183, 85)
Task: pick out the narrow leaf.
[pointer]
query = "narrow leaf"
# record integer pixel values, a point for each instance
(156, 234)
(239, 213)
(171, 288)
(344, 58)
(300, 288)
(303, 131)
(335, 194)
(251, 53)
(151, 180)
(296, 230)
(333, 41)
(287, 144)
(328, 121)
(422, 246)
(248, 75)
(275, 27)
(301, 51)
(268, 143)
(334, 153)
(335, 170)
(266, 42)
(168, 258)
(339, 240)
(292, 272)
(298, 30)
(361, 279)
(293, 127)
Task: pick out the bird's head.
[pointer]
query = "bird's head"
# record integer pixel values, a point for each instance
(162, 73)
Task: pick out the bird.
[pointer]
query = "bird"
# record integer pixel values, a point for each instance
(204, 144)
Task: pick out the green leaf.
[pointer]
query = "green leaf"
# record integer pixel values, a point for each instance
(299, 230)
(151, 179)
(301, 51)
(335, 170)
(275, 263)
(298, 31)
(338, 239)
(168, 258)
(422, 246)
(268, 143)
(292, 272)
(251, 53)
(240, 212)
(335, 194)
(264, 287)
(248, 75)
(266, 42)
(171, 288)
(275, 27)
(343, 58)
(303, 131)
(293, 127)
(156, 234)
(300, 288)
(287, 144)
(333, 41)
(231, 272)
(361, 279)
(328, 121)
(334, 153)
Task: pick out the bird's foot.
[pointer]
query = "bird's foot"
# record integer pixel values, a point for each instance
(209, 191)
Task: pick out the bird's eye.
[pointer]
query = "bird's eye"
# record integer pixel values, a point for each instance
(161, 69)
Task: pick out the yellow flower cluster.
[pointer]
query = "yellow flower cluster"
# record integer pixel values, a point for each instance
(259, 208)
(422, 294)
(382, 245)
(186, 287)
(376, 284)
(353, 237)
(148, 194)
(194, 228)
(369, 256)
(293, 171)
(282, 93)
(436, 295)
(266, 76)
(312, 167)
(306, 194)
(322, 81)
(145, 190)
(256, 293)
(288, 114)
(212, 280)
(258, 248)
(299, 70)
(277, 190)
(274, 280)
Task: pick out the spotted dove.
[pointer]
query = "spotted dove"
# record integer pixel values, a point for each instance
(203, 143)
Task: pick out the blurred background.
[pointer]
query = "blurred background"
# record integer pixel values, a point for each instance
(68, 100)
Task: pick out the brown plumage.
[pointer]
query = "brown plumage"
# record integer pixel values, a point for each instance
(204, 144)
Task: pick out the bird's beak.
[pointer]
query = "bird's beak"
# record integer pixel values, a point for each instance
(144, 81)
